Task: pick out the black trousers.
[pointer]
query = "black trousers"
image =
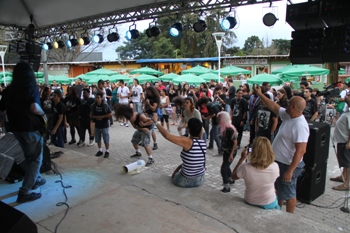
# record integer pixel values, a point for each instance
(252, 134)
(225, 167)
(240, 133)
(84, 124)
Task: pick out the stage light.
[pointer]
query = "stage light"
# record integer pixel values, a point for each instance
(60, 44)
(199, 26)
(81, 41)
(86, 40)
(68, 44)
(98, 38)
(55, 45)
(47, 46)
(112, 37)
(176, 29)
(152, 31)
(132, 34)
(269, 19)
(228, 23)
(74, 42)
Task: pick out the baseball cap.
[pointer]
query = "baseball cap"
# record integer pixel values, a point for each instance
(191, 86)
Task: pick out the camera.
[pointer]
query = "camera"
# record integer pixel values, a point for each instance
(329, 92)
(249, 150)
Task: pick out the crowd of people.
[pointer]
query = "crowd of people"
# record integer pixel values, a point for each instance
(212, 112)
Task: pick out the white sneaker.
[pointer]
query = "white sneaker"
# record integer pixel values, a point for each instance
(81, 144)
(121, 124)
(127, 125)
(91, 143)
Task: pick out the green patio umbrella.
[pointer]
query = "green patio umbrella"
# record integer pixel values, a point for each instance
(93, 79)
(39, 74)
(8, 80)
(59, 79)
(168, 77)
(116, 78)
(232, 70)
(146, 70)
(292, 71)
(260, 78)
(341, 71)
(143, 78)
(102, 71)
(209, 76)
(197, 70)
(7, 74)
(189, 78)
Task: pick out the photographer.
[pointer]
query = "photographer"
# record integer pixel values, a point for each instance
(259, 174)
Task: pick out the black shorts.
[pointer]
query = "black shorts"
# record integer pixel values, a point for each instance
(343, 155)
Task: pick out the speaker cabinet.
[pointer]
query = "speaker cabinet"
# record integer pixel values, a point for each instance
(317, 149)
(312, 182)
(14, 221)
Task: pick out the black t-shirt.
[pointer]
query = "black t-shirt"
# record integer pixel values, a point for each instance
(172, 94)
(100, 110)
(79, 89)
(72, 104)
(108, 93)
(264, 117)
(57, 110)
(17, 109)
(310, 109)
(214, 108)
(238, 108)
(227, 140)
(148, 110)
(231, 92)
(137, 122)
(85, 107)
(46, 105)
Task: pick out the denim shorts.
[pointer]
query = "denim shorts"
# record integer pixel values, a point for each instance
(287, 190)
(185, 182)
(102, 132)
(142, 138)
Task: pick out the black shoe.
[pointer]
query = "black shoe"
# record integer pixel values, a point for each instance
(232, 181)
(150, 162)
(99, 153)
(137, 154)
(28, 197)
(106, 155)
(72, 142)
(210, 147)
(39, 183)
(65, 141)
(225, 190)
(155, 146)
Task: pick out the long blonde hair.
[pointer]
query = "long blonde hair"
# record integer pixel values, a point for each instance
(225, 123)
(262, 155)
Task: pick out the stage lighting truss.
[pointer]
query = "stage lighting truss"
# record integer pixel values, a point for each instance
(132, 33)
(176, 29)
(152, 31)
(229, 21)
(113, 36)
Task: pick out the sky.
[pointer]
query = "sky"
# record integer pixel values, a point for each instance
(249, 20)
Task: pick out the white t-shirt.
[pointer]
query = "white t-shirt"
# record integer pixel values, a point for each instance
(136, 94)
(342, 128)
(343, 95)
(123, 91)
(291, 131)
(260, 184)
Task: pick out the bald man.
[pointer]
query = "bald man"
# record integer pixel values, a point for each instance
(289, 146)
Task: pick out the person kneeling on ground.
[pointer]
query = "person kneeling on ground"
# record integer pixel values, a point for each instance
(143, 126)
(259, 174)
(192, 170)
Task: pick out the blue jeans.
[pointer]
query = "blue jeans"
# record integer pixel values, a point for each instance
(138, 107)
(58, 138)
(32, 145)
(214, 135)
(227, 108)
(185, 182)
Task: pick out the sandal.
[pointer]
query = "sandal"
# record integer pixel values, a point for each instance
(337, 179)
(341, 187)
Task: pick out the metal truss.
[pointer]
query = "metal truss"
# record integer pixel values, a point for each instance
(151, 11)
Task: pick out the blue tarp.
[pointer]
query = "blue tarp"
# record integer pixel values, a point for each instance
(178, 60)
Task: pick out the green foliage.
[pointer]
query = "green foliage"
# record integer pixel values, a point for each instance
(282, 46)
(252, 43)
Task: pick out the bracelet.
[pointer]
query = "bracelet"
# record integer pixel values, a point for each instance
(158, 123)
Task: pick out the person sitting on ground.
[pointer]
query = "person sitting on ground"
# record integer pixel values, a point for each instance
(259, 174)
(191, 173)
(143, 125)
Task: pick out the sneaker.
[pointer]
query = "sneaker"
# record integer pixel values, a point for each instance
(106, 155)
(72, 142)
(91, 143)
(137, 154)
(28, 197)
(225, 190)
(99, 153)
(127, 125)
(81, 144)
(39, 183)
(121, 124)
(210, 147)
(150, 162)
(155, 146)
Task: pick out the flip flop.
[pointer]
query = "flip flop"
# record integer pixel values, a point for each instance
(341, 187)
(337, 179)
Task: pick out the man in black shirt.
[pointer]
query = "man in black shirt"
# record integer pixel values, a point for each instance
(238, 113)
(231, 93)
(311, 111)
(79, 87)
(214, 108)
(58, 121)
(84, 117)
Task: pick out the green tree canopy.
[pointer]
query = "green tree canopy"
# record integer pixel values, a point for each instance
(251, 43)
(282, 46)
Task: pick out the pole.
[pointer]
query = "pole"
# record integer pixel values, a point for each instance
(218, 39)
(3, 49)
(219, 64)
(46, 76)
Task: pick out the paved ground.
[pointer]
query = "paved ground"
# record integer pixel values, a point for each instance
(325, 209)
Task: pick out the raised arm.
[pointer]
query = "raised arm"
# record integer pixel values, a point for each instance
(267, 101)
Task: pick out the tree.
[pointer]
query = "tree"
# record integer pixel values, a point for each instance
(163, 48)
(139, 48)
(282, 46)
(251, 43)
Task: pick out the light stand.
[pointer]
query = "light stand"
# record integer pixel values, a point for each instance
(218, 39)
(3, 49)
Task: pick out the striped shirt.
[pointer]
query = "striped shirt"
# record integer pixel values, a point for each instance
(193, 160)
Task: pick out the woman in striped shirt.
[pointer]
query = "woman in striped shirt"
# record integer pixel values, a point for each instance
(192, 170)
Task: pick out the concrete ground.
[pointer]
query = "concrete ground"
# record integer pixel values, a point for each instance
(104, 199)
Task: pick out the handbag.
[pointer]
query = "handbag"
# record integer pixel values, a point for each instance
(169, 109)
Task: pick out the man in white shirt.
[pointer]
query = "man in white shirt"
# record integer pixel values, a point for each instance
(123, 95)
(289, 146)
(137, 96)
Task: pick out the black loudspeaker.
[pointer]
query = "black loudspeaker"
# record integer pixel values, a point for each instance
(14, 221)
(317, 149)
(312, 182)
